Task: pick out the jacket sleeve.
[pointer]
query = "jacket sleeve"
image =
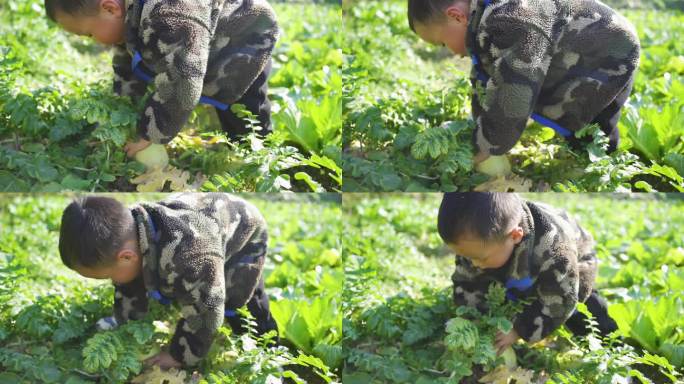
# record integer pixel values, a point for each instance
(556, 297)
(469, 286)
(130, 301)
(202, 306)
(183, 41)
(125, 83)
(520, 54)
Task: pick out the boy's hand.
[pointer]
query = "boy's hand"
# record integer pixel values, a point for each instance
(163, 360)
(480, 157)
(132, 148)
(505, 340)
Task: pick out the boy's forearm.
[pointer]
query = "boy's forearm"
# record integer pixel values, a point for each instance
(494, 133)
(534, 324)
(194, 334)
(520, 59)
(177, 93)
(161, 120)
(181, 37)
(556, 299)
(501, 111)
(202, 308)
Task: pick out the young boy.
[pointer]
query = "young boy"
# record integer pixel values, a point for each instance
(537, 252)
(565, 64)
(204, 251)
(214, 52)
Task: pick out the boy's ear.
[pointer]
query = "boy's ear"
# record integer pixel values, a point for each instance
(127, 255)
(517, 234)
(112, 7)
(457, 13)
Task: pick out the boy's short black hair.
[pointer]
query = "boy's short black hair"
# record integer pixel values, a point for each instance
(487, 215)
(93, 230)
(70, 7)
(424, 11)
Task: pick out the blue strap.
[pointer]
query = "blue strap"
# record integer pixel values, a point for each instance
(153, 229)
(137, 71)
(159, 297)
(551, 124)
(214, 103)
(156, 295)
(146, 77)
(230, 313)
(521, 285)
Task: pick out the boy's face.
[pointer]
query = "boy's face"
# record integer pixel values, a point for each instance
(106, 27)
(486, 255)
(449, 30)
(125, 269)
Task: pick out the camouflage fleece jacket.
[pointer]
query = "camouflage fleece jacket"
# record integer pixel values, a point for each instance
(213, 48)
(559, 258)
(204, 251)
(563, 60)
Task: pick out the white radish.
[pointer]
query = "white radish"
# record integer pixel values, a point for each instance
(495, 166)
(153, 157)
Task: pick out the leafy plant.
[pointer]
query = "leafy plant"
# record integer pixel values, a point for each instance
(314, 125)
(654, 131)
(472, 342)
(654, 325)
(115, 354)
(313, 327)
(45, 113)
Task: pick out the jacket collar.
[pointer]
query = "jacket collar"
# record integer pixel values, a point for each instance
(477, 8)
(523, 251)
(148, 241)
(132, 24)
